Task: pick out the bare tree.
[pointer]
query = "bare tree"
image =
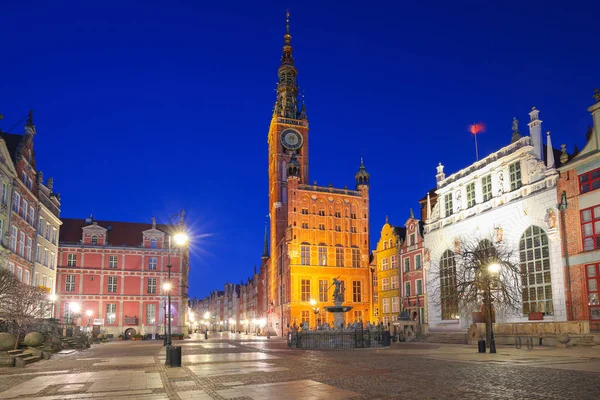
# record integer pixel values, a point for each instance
(464, 281)
(21, 305)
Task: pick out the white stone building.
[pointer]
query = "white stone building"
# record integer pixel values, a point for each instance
(508, 197)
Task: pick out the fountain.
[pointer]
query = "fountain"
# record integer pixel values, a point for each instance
(324, 336)
(338, 309)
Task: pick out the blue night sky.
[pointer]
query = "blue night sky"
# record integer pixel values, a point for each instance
(144, 110)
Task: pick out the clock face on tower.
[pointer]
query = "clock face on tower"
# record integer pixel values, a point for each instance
(291, 139)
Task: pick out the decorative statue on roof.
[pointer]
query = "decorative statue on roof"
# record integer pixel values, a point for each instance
(515, 124)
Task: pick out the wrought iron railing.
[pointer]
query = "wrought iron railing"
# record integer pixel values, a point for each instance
(339, 339)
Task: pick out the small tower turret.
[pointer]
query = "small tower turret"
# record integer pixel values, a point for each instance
(293, 168)
(362, 177)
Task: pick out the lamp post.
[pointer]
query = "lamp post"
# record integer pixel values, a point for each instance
(180, 239)
(493, 269)
(52, 299)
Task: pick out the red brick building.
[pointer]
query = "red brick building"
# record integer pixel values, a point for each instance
(579, 211)
(114, 274)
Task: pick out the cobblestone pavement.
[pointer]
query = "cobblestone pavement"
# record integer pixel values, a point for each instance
(244, 367)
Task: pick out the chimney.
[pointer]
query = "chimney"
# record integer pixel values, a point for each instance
(535, 132)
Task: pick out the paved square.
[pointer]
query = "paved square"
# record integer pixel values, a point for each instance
(232, 366)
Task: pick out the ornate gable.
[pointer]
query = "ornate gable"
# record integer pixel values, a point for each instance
(94, 234)
(153, 237)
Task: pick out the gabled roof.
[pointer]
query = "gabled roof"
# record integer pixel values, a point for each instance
(118, 233)
(12, 143)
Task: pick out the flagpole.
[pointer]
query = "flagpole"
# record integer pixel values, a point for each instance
(476, 150)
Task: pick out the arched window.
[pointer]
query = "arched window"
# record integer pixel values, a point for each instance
(448, 285)
(384, 245)
(391, 245)
(152, 243)
(535, 271)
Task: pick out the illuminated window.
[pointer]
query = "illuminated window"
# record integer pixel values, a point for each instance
(305, 211)
(448, 285)
(338, 214)
(305, 255)
(353, 229)
(356, 291)
(322, 213)
(535, 271)
(592, 273)
(590, 227)
(338, 228)
(322, 252)
(339, 257)
(305, 225)
(323, 286)
(111, 314)
(355, 258)
(150, 314)
(322, 227)
(486, 187)
(305, 316)
(471, 194)
(353, 215)
(305, 290)
(514, 171)
(395, 282)
(358, 315)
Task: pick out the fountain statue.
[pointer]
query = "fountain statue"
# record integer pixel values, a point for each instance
(338, 310)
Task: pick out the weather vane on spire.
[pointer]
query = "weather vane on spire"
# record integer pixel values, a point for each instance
(287, 21)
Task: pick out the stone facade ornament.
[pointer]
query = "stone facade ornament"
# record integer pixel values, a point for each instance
(550, 218)
(427, 254)
(499, 234)
(564, 157)
(457, 245)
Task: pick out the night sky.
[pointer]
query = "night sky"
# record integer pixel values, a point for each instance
(144, 110)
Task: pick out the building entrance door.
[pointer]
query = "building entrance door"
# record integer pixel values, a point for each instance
(129, 333)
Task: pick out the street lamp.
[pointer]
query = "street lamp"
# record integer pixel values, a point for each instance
(493, 269)
(180, 239)
(52, 299)
(316, 310)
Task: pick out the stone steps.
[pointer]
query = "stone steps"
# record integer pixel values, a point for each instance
(447, 338)
(21, 362)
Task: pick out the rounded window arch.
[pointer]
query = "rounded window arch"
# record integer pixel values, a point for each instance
(449, 300)
(534, 256)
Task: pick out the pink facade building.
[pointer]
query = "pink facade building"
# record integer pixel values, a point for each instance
(110, 276)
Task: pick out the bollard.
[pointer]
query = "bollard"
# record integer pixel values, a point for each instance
(518, 342)
(529, 343)
(206, 335)
(481, 345)
(175, 356)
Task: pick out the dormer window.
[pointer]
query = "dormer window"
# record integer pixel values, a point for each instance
(94, 239)
(152, 243)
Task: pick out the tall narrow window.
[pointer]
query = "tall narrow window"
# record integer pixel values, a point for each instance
(24, 209)
(16, 202)
(339, 256)
(69, 282)
(45, 262)
(94, 240)
(111, 314)
(419, 287)
(152, 261)
(394, 262)
(152, 243)
(395, 282)
(418, 261)
(305, 289)
(53, 235)
(4, 195)
(112, 284)
(470, 194)
(151, 285)
(305, 255)
(395, 304)
(51, 261)
(514, 170)
(322, 255)
(305, 316)
(323, 285)
(71, 260)
(41, 226)
(20, 274)
(407, 264)
(486, 187)
(592, 274)
(13, 238)
(407, 289)
(112, 261)
(535, 271)
(386, 305)
(590, 228)
(448, 204)
(1, 231)
(355, 258)
(38, 254)
(448, 290)
(150, 314)
(356, 292)
(22, 244)
(385, 284)
(48, 231)
(26, 277)
(32, 216)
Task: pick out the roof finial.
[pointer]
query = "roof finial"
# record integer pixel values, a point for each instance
(287, 21)
(386, 219)
(597, 95)
(412, 215)
(30, 118)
